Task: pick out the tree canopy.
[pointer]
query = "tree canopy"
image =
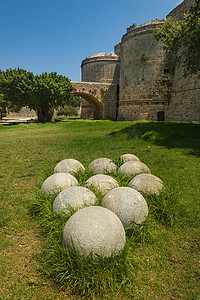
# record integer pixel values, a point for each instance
(3, 106)
(182, 40)
(43, 93)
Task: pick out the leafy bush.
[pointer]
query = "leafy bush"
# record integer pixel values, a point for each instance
(181, 40)
(67, 111)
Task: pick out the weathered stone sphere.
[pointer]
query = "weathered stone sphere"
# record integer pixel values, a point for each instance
(147, 183)
(94, 230)
(102, 165)
(128, 204)
(57, 182)
(102, 183)
(133, 168)
(128, 157)
(73, 198)
(68, 166)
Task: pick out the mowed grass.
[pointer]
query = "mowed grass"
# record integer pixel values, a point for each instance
(160, 262)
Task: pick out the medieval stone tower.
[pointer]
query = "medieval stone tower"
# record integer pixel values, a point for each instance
(143, 78)
(145, 88)
(102, 68)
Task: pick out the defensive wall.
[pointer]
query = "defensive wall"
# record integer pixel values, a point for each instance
(184, 102)
(178, 12)
(144, 87)
(144, 82)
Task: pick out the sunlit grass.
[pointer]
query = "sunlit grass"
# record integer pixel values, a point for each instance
(161, 257)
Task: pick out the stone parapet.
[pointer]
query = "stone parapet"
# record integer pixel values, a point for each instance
(103, 57)
(145, 28)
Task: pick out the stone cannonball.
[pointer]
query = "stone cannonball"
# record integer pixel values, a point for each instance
(94, 230)
(127, 157)
(147, 183)
(133, 168)
(128, 204)
(102, 166)
(73, 198)
(57, 182)
(102, 183)
(68, 166)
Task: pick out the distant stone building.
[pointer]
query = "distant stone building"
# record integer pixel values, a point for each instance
(142, 86)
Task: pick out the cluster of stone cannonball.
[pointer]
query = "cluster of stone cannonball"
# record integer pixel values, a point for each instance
(100, 230)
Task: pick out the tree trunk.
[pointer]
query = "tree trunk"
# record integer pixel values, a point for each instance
(46, 116)
(1, 115)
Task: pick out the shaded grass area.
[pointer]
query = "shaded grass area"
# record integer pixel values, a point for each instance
(177, 135)
(162, 261)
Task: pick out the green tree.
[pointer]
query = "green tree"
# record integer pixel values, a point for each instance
(74, 101)
(3, 106)
(51, 91)
(182, 40)
(43, 93)
(67, 111)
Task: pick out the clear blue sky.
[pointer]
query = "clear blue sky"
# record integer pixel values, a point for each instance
(56, 35)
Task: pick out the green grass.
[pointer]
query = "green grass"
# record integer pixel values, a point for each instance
(66, 118)
(161, 258)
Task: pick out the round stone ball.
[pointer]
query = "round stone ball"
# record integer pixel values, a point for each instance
(74, 197)
(57, 182)
(127, 157)
(133, 168)
(147, 183)
(102, 165)
(102, 183)
(94, 231)
(128, 204)
(71, 166)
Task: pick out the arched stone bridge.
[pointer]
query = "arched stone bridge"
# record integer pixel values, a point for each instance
(102, 96)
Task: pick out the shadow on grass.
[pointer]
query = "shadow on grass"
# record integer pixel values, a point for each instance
(167, 134)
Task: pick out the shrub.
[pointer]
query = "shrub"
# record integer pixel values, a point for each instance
(67, 111)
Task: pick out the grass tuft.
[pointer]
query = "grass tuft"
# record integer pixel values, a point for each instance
(86, 275)
(164, 208)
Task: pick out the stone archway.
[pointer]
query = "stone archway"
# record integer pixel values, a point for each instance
(102, 96)
(97, 106)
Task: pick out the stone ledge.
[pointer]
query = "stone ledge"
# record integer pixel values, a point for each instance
(110, 59)
(140, 101)
(92, 83)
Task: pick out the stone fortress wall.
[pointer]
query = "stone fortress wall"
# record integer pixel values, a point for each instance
(147, 91)
(143, 82)
(178, 12)
(101, 68)
(184, 102)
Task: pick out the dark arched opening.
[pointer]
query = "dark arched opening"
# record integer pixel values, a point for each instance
(97, 106)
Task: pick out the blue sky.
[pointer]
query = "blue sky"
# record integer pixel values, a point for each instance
(56, 35)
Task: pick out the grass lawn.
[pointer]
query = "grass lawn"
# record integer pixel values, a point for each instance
(161, 263)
